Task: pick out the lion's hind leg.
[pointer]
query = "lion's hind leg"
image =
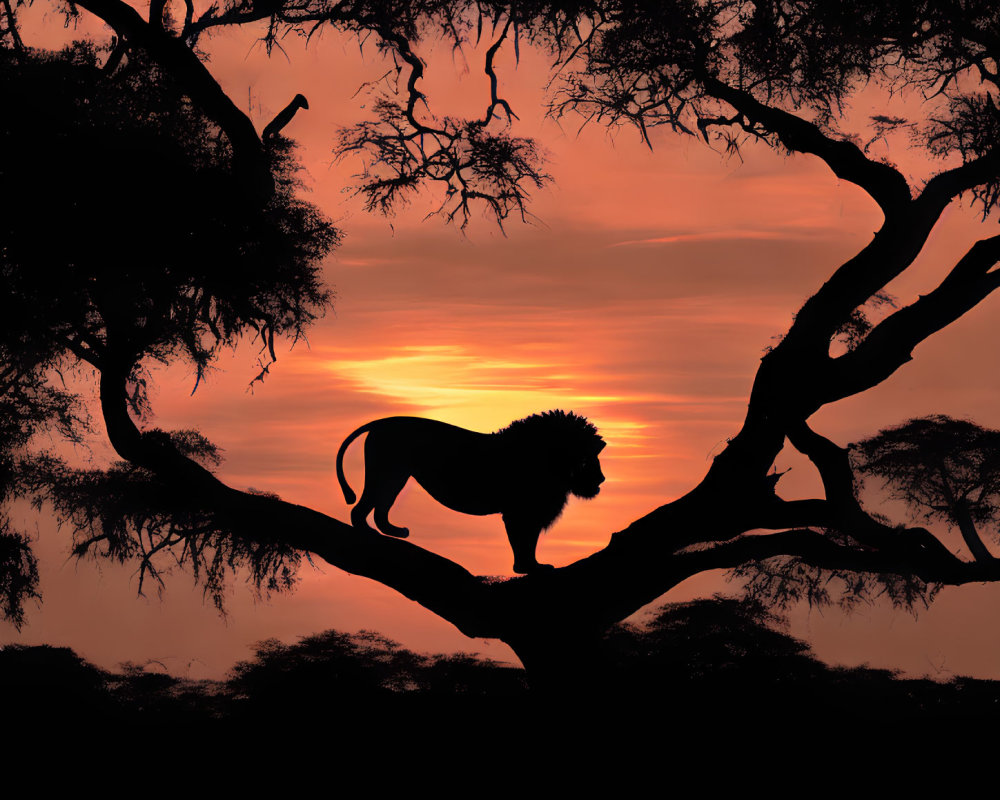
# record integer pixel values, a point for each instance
(360, 512)
(379, 498)
(385, 494)
(385, 477)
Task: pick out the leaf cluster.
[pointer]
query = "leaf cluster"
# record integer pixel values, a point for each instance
(781, 582)
(859, 324)
(126, 513)
(469, 161)
(127, 236)
(649, 63)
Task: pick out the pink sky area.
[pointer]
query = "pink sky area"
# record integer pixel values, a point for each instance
(642, 296)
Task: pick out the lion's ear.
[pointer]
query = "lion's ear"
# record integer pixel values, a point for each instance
(601, 444)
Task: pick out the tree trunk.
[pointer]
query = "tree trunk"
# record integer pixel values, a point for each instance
(563, 664)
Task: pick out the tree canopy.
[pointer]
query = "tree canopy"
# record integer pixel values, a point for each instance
(149, 250)
(944, 469)
(180, 231)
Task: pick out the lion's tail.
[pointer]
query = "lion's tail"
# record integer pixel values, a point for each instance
(349, 495)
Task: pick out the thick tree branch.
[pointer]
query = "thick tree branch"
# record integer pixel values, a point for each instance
(812, 547)
(118, 50)
(638, 566)
(82, 351)
(830, 460)
(946, 186)
(813, 512)
(890, 344)
(631, 571)
(893, 248)
(884, 183)
(283, 117)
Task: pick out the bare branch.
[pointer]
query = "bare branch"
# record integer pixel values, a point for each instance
(238, 13)
(495, 100)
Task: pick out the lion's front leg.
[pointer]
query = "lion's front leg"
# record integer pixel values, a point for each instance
(523, 537)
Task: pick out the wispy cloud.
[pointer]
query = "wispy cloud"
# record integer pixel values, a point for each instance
(723, 235)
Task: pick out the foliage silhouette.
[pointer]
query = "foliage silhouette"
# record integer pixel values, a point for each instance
(153, 150)
(710, 656)
(51, 684)
(220, 264)
(137, 165)
(944, 469)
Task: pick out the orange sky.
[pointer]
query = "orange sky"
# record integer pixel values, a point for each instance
(643, 298)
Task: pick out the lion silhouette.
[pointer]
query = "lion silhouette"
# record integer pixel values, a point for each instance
(525, 472)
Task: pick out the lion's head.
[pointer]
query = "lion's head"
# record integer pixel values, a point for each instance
(586, 479)
(569, 446)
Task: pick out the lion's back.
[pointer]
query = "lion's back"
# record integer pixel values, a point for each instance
(428, 436)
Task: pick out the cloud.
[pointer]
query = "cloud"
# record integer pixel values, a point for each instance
(732, 235)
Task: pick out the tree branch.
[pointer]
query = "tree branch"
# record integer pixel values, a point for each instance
(946, 186)
(893, 248)
(970, 535)
(283, 117)
(639, 564)
(890, 344)
(882, 182)
(830, 460)
(11, 27)
(495, 99)
(82, 351)
(237, 14)
(814, 512)
(812, 547)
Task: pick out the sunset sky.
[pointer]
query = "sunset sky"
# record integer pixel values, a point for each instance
(642, 295)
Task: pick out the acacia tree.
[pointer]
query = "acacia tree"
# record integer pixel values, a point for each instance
(944, 469)
(727, 71)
